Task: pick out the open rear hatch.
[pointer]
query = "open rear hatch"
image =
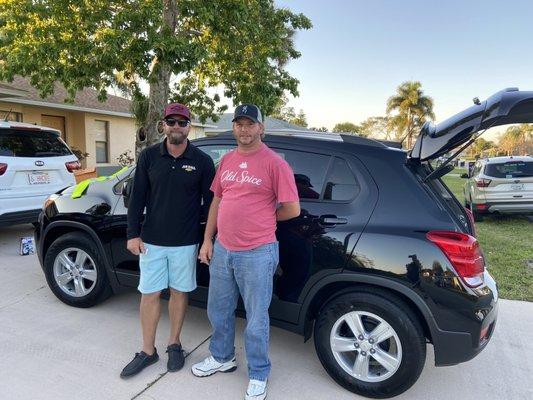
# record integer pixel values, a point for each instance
(509, 106)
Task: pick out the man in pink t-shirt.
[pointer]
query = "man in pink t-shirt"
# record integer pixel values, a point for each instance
(253, 188)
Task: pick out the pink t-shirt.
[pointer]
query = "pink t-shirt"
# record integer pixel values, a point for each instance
(250, 186)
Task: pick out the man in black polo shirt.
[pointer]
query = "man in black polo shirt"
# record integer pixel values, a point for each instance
(171, 180)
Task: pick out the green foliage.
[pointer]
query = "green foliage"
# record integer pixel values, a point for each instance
(300, 119)
(125, 159)
(243, 45)
(376, 127)
(285, 113)
(480, 148)
(408, 109)
(516, 140)
(80, 154)
(347, 127)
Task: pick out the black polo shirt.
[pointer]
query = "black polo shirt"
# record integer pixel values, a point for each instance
(171, 189)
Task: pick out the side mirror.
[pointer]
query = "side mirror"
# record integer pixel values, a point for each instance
(126, 192)
(465, 175)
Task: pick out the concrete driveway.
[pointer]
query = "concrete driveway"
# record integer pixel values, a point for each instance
(51, 351)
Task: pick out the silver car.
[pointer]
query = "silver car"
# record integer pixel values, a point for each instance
(500, 185)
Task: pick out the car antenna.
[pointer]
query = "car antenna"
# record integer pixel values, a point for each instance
(401, 141)
(7, 115)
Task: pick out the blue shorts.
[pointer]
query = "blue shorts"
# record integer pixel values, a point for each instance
(168, 267)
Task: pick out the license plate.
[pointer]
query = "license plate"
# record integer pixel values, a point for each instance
(519, 186)
(38, 178)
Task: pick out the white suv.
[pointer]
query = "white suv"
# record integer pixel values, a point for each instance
(34, 163)
(500, 185)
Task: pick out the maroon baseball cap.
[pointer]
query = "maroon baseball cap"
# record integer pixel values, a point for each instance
(177, 109)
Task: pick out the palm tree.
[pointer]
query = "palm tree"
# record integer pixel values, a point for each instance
(412, 109)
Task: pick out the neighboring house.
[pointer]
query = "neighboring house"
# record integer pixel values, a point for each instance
(272, 125)
(102, 129)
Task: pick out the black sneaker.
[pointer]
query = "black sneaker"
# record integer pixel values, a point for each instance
(176, 358)
(139, 362)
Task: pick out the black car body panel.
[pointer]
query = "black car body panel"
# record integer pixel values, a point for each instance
(365, 213)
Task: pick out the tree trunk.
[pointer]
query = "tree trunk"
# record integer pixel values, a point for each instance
(159, 81)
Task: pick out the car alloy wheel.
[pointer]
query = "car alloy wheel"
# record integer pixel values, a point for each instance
(75, 272)
(366, 346)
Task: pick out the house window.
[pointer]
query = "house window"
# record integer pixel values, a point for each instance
(11, 116)
(102, 141)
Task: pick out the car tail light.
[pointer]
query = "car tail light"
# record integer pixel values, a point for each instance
(464, 253)
(73, 166)
(482, 182)
(472, 222)
(3, 168)
(482, 206)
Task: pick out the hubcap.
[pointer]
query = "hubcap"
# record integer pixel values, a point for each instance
(75, 272)
(366, 346)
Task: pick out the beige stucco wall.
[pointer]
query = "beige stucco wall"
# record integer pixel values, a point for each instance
(121, 137)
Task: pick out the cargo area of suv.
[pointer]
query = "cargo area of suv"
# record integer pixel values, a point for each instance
(34, 163)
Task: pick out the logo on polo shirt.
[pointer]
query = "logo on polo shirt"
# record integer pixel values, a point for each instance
(243, 165)
(188, 168)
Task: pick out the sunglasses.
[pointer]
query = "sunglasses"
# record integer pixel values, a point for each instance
(181, 122)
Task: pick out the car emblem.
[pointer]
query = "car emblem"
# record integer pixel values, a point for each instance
(517, 181)
(39, 163)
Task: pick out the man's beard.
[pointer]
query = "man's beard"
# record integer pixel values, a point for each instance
(176, 138)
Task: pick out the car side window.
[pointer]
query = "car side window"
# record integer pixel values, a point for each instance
(309, 171)
(341, 184)
(216, 152)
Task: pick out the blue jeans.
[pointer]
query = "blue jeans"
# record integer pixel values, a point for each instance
(249, 273)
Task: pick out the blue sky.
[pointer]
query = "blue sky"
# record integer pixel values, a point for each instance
(358, 52)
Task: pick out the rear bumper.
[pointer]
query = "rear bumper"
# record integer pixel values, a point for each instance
(19, 217)
(522, 207)
(456, 347)
(452, 348)
(21, 204)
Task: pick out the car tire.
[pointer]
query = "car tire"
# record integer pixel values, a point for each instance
(404, 353)
(75, 271)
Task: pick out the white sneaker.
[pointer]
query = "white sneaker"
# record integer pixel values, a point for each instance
(209, 366)
(257, 390)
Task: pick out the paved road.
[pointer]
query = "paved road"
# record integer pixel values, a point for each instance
(52, 351)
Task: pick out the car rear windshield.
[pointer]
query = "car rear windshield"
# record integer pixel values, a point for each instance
(20, 143)
(511, 169)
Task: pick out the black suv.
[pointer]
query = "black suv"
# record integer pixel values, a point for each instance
(382, 260)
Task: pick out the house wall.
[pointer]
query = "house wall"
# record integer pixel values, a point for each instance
(121, 137)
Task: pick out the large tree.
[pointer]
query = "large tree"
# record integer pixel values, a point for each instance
(376, 127)
(241, 45)
(347, 127)
(516, 140)
(480, 148)
(408, 109)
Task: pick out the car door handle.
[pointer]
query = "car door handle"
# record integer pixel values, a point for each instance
(331, 220)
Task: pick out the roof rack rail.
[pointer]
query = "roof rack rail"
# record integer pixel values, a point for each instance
(369, 142)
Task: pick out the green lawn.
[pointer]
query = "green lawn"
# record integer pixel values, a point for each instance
(507, 244)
